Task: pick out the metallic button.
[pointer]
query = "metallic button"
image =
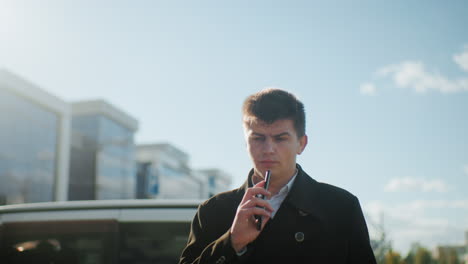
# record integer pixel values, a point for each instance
(221, 260)
(302, 213)
(299, 236)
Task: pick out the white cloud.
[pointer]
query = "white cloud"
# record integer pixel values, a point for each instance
(462, 59)
(414, 75)
(368, 89)
(421, 205)
(416, 184)
(430, 222)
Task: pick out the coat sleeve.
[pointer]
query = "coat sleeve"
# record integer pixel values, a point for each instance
(360, 250)
(203, 246)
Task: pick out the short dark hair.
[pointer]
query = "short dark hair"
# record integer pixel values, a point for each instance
(273, 104)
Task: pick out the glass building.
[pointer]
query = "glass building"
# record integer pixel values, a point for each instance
(164, 172)
(102, 164)
(34, 140)
(215, 181)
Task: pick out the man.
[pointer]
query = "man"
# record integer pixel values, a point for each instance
(304, 221)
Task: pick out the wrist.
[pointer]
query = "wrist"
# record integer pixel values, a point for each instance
(238, 247)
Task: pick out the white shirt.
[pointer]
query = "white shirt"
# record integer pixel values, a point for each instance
(277, 199)
(275, 202)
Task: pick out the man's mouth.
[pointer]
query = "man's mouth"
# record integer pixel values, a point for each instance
(268, 162)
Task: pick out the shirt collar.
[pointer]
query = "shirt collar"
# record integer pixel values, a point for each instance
(291, 181)
(289, 185)
(304, 190)
(285, 188)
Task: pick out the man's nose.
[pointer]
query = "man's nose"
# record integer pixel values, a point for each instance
(269, 146)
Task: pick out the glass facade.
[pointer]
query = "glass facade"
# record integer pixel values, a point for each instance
(28, 140)
(147, 181)
(102, 163)
(163, 173)
(177, 183)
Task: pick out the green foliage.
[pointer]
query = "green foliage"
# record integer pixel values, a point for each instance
(420, 256)
(423, 256)
(448, 257)
(393, 257)
(409, 259)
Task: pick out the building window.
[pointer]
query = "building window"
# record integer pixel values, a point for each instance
(212, 182)
(29, 150)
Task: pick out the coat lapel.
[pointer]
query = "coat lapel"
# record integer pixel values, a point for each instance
(305, 195)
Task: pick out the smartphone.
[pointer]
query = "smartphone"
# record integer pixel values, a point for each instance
(261, 196)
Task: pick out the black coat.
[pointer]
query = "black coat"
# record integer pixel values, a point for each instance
(316, 223)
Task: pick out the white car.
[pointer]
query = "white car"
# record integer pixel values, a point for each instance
(92, 232)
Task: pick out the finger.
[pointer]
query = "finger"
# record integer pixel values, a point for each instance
(251, 211)
(252, 193)
(262, 191)
(265, 205)
(257, 190)
(257, 202)
(265, 221)
(257, 211)
(260, 184)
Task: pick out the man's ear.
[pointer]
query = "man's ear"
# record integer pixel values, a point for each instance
(302, 144)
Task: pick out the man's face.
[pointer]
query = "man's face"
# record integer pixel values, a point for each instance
(274, 147)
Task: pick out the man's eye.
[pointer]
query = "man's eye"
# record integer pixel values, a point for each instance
(280, 139)
(258, 139)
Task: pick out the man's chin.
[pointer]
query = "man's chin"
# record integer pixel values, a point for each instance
(261, 171)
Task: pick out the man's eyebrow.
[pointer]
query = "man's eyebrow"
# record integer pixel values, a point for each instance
(282, 134)
(257, 134)
(277, 135)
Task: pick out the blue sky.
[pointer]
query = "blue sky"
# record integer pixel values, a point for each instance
(385, 84)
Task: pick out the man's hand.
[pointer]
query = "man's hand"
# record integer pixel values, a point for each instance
(243, 229)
